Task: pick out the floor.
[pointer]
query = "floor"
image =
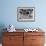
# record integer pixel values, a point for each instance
(0, 44)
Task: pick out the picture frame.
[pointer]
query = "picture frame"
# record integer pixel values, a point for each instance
(26, 14)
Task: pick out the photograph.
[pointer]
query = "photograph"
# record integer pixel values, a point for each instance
(26, 14)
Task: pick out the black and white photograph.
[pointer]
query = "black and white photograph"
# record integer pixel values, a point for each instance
(26, 14)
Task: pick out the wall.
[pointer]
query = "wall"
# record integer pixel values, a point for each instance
(8, 13)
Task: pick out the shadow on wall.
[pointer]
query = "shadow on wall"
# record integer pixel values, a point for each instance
(2, 26)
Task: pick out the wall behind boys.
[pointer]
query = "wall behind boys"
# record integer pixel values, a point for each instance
(8, 13)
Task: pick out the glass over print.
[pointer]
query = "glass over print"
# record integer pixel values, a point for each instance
(26, 14)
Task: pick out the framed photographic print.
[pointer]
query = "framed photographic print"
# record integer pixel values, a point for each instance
(25, 14)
